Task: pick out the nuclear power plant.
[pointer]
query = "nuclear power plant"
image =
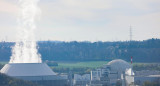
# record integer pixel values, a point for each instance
(35, 72)
(110, 74)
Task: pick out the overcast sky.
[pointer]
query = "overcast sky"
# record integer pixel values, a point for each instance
(87, 20)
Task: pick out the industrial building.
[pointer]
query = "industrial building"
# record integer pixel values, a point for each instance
(81, 80)
(35, 72)
(108, 75)
(142, 76)
(115, 71)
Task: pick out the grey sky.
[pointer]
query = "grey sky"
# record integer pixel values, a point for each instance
(87, 20)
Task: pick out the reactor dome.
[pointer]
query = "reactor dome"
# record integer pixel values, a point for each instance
(119, 65)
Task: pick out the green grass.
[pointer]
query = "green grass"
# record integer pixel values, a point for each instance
(89, 64)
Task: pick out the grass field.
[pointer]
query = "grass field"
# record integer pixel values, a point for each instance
(90, 64)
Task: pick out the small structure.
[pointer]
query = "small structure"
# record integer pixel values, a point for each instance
(81, 80)
(129, 77)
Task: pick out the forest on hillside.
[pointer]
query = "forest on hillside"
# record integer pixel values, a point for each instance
(142, 51)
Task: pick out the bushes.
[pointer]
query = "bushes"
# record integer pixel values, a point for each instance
(51, 63)
(82, 70)
(8, 81)
(147, 83)
(154, 66)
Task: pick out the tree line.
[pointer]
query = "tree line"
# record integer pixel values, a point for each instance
(141, 51)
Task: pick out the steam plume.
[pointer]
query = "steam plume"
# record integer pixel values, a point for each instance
(25, 49)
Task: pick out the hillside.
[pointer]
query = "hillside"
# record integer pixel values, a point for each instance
(142, 51)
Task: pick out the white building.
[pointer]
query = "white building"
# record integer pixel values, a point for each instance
(82, 77)
(129, 77)
(95, 75)
(110, 73)
(81, 80)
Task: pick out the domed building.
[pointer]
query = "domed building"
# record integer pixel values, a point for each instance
(118, 65)
(116, 69)
(111, 72)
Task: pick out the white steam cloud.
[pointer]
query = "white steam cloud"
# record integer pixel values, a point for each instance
(25, 49)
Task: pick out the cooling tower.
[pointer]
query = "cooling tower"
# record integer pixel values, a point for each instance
(29, 71)
(36, 72)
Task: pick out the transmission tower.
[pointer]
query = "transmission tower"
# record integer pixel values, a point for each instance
(130, 32)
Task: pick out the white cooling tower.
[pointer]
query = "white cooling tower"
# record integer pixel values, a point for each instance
(29, 71)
